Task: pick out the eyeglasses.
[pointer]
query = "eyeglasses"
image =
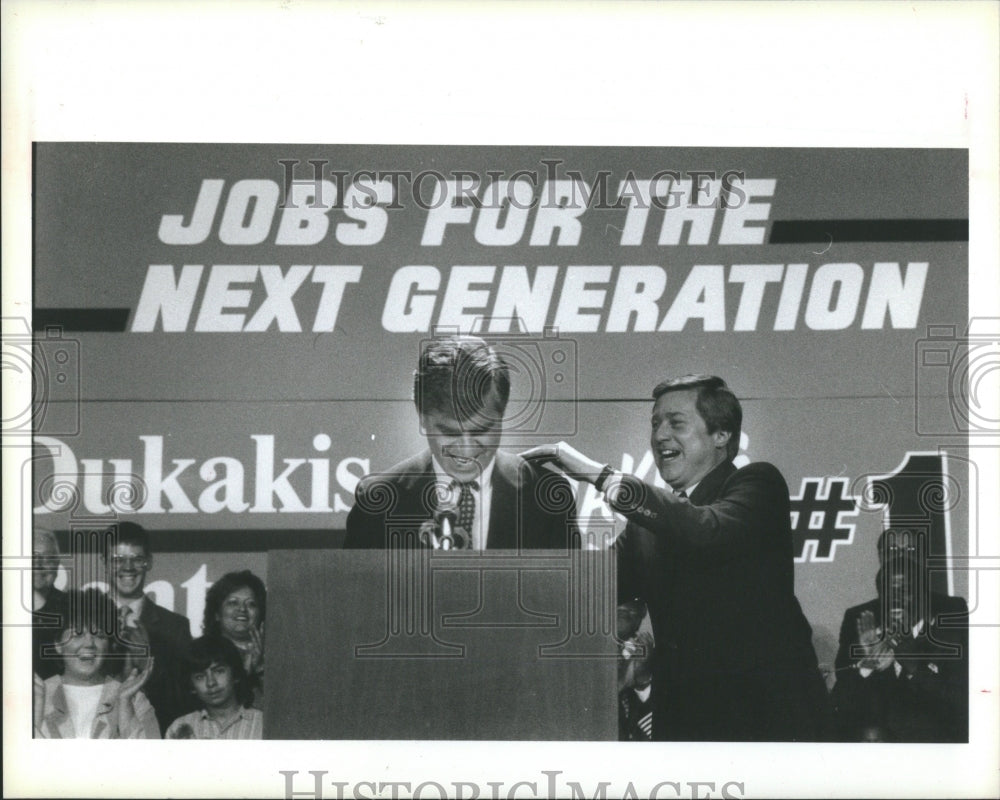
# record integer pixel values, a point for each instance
(138, 562)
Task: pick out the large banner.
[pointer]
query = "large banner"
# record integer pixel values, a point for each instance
(226, 334)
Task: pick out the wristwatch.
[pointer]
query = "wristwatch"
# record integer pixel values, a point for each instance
(606, 473)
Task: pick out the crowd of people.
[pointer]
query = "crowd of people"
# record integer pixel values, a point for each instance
(901, 669)
(117, 665)
(715, 646)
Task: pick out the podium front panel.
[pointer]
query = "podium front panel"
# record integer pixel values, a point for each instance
(422, 644)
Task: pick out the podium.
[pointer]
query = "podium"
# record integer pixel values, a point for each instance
(412, 643)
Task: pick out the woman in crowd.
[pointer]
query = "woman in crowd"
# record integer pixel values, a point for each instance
(82, 700)
(214, 671)
(234, 608)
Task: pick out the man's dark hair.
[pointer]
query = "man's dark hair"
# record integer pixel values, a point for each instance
(225, 586)
(208, 650)
(715, 402)
(459, 376)
(128, 533)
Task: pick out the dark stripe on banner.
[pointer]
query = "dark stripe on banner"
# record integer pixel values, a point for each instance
(112, 320)
(220, 541)
(803, 231)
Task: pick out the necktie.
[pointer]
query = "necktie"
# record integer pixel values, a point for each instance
(126, 618)
(467, 508)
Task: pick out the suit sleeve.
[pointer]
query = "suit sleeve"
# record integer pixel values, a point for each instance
(563, 529)
(738, 520)
(181, 633)
(629, 585)
(940, 678)
(854, 697)
(546, 507)
(848, 637)
(365, 524)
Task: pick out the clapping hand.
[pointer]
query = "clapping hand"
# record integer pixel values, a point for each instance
(256, 651)
(878, 655)
(910, 653)
(129, 689)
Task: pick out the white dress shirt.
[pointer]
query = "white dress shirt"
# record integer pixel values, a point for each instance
(483, 496)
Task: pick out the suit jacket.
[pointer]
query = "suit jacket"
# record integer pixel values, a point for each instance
(531, 507)
(57, 724)
(169, 636)
(734, 655)
(46, 623)
(932, 704)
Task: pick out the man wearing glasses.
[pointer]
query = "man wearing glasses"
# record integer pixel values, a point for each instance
(143, 623)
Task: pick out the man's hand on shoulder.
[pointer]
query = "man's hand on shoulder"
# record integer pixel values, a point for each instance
(566, 458)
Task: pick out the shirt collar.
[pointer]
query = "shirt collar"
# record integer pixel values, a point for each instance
(205, 717)
(689, 490)
(484, 479)
(135, 605)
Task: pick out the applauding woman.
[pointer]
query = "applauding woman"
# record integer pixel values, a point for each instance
(234, 608)
(82, 700)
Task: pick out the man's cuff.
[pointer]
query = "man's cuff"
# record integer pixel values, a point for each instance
(621, 491)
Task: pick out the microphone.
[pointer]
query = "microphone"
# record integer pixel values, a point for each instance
(446, 520)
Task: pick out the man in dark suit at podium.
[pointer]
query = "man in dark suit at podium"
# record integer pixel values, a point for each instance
(712, 559)
(462, 492)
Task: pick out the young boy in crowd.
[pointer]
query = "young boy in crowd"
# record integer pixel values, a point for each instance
(214, 671)
(82, 700)
(635, 700)
(635, 675)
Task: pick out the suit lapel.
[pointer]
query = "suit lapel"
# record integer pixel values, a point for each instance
(420, 492)
(149, 616)
(502, 530)
(709, 487)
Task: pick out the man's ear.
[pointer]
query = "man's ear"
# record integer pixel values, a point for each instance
(721, 439)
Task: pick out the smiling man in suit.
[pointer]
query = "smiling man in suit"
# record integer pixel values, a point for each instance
(711, 557)
(463, 492)
(148, 629)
